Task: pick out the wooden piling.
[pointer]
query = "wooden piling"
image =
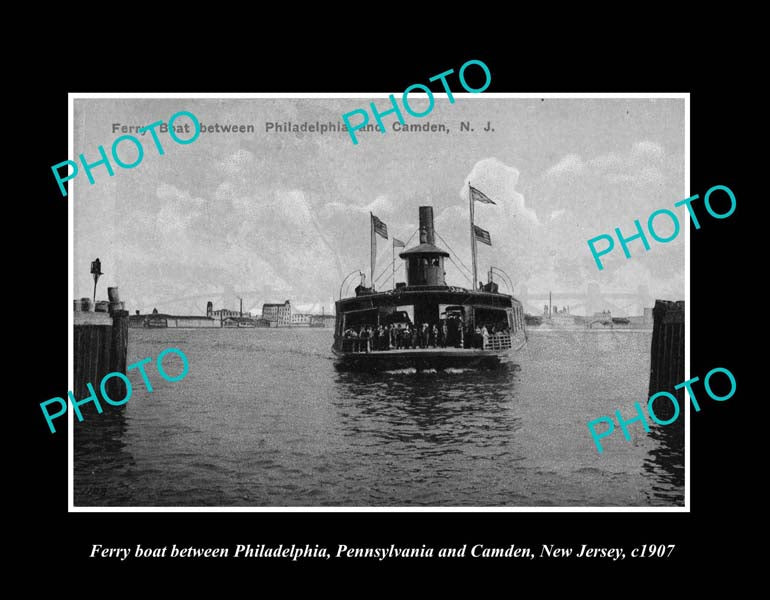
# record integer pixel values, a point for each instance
(101, 347)
(667, 355)
(116, 387)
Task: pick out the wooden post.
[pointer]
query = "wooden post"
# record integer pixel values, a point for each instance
(101, 346)
(92, 352)
(667, 356)
(116, 387)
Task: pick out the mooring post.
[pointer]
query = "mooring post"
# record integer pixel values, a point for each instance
(667, 350)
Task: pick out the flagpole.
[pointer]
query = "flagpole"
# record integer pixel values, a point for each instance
(373, 249)
(473, 238)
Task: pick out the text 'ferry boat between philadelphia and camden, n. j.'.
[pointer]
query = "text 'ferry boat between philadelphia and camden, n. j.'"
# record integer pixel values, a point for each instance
(424, 323)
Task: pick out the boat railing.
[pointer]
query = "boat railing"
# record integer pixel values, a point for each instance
(498, 341)
(356, 345)
(495, 342)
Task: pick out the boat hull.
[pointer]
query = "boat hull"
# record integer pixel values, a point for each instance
(419, 359)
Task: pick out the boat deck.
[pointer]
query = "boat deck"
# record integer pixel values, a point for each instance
(422, 351)
(421, 358)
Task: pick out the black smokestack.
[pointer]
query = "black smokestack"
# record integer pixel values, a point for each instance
(426, 225)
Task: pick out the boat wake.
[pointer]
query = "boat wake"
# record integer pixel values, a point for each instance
(413, 371)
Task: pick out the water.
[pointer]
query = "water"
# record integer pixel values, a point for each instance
(264, 419)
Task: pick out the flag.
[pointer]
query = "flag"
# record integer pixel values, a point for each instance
(380, 227)
(480, 196)
(482, 235)
(398, 243)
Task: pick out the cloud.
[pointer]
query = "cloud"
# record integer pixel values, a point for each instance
(638, 166)
(570, 164)
(578, 199)
(498, 181)
(648, 149)
(267, 245)
(380, 205)
(645, 175)
(237, 162)
(612, 188)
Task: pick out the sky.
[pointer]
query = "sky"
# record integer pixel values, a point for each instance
(269, 216)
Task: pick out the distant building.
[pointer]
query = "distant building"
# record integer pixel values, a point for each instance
(223, 313)
(280, 314)
(238, 322)
(161, 320)
(321, 320)
(301, 318)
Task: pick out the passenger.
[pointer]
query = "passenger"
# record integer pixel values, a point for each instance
(383, 345)
(415, 337)
(346, 343)
(484, 336)
(442, 331)
(434, 335)
(364, 346)
(451, 336)
(425, 337)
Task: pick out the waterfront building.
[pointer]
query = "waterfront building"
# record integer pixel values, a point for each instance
(279, 314)
(223, 313)
(301, 319)
(162, 320)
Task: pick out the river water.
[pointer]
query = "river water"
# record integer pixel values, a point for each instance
(264, 419)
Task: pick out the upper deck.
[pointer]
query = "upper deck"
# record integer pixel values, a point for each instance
(440, 294)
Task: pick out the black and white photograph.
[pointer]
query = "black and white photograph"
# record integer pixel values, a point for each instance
(454, 312)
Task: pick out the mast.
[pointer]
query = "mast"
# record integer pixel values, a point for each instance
(473, 237)
(373, 248)
(393, 246)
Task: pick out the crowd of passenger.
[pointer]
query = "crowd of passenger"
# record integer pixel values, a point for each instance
(448, 333)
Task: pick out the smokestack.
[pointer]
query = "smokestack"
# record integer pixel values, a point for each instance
(426, 225)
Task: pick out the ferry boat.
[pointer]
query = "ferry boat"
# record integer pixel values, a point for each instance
(424, 323)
